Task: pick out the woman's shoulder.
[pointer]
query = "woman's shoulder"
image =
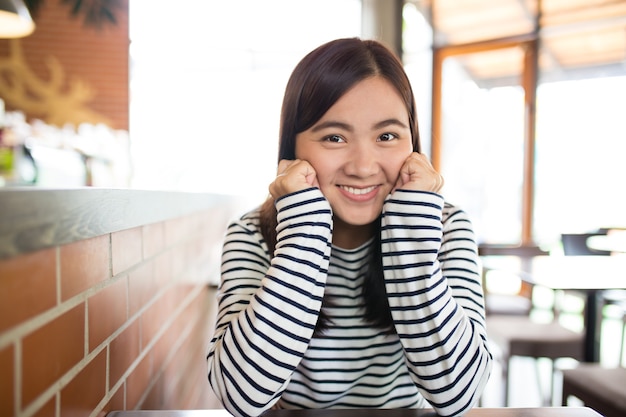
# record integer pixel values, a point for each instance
(454, 216)
(250, 219)
(245, 231)
(451, 209)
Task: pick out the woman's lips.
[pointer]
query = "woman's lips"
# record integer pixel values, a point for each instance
(359, 193)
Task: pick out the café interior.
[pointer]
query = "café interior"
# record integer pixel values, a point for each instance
(520, 107)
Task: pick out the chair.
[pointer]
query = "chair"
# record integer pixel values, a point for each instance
(525, 337)
(515, 333)
(575, 244)
(519, 303)
(512, 330)
(597, 387)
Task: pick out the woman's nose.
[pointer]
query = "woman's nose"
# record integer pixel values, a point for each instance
(362, 161)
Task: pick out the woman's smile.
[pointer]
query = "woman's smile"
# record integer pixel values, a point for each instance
(359, 193)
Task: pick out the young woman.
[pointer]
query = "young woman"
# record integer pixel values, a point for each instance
(354, 284)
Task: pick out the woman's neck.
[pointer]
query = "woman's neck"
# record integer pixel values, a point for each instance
(349, 236)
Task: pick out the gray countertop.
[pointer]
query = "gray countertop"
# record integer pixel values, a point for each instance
(36, 218)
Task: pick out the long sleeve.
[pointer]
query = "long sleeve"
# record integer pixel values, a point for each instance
(267, 309)
(432, 277)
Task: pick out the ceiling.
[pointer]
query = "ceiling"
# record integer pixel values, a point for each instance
(578, 38)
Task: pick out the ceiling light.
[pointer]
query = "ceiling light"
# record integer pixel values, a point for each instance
(15, 21)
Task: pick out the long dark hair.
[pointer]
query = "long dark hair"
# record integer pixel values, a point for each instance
(318, 81)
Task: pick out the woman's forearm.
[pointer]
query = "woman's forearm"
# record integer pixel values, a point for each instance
(267, 315)
(434, 290)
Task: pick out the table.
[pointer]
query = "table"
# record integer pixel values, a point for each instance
(612, 243)
(590, 275)
(372, 412)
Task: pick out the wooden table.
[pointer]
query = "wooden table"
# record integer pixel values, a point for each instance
(613, 243)
(589, 275)
(371, 412)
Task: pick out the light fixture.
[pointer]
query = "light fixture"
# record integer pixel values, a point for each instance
(15, 21)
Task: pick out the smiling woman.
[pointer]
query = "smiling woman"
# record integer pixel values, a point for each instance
(355, 285)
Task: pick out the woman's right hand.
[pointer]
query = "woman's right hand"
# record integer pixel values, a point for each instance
(292, 176)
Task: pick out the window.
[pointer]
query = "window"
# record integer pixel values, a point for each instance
(581, 146)
(529, 163)
(482, 145)
(207, 80)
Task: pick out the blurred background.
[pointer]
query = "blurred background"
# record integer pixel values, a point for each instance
(520, 104)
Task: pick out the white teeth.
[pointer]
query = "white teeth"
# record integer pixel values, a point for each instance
(358, 191)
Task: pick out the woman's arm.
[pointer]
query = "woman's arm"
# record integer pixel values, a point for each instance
(267, 311)
(430, 262)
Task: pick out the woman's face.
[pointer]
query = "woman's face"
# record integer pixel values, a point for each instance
(357, 149)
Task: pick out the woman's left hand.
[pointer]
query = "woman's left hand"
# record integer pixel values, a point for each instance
(418, 174)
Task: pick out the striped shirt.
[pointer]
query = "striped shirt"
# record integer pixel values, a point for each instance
(264, 353)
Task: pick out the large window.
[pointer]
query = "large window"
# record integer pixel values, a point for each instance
(482, 145)
(527, 124)
(207, 79)
(581, 150)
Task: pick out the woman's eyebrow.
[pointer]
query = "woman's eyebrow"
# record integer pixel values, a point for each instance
(390, 122)
(345, 126)
(331, 124)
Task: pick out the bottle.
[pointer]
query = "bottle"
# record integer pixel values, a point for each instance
(17, 166)
(6, 151)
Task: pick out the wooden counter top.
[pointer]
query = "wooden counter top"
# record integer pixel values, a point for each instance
(36, 218)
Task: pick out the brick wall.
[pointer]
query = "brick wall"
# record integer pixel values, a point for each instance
(97, 58)
(118, 321)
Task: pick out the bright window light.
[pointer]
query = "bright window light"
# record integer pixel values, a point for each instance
(207, 80)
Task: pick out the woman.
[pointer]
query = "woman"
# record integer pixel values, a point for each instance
(354, 284)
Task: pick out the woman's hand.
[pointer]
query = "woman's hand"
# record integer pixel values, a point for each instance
(419, 175)
(293, 176)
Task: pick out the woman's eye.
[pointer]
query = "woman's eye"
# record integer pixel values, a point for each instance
(386, 137)
(334, 139)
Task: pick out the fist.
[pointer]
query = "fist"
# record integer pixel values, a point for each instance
(418, 174)
(292, 176)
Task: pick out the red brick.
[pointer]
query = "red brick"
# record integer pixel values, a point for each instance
(116, 403)
(107, 312)
(51, 351)
(7, 390)
(142, 287)
(27, 286)
(123, 351)
(137, 382)
(126, 249)
(48, 409)
(81, 396)
(153, 239)
(156, 316)
(84, 264)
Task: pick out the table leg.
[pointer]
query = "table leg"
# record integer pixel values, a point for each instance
(593, 325)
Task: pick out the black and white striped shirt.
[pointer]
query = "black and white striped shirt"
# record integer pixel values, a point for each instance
(263, 353)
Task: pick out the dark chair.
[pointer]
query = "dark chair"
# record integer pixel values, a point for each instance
(513, 332)
(575, 244)
(523, 336)
(519, 303)
(597, 387)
